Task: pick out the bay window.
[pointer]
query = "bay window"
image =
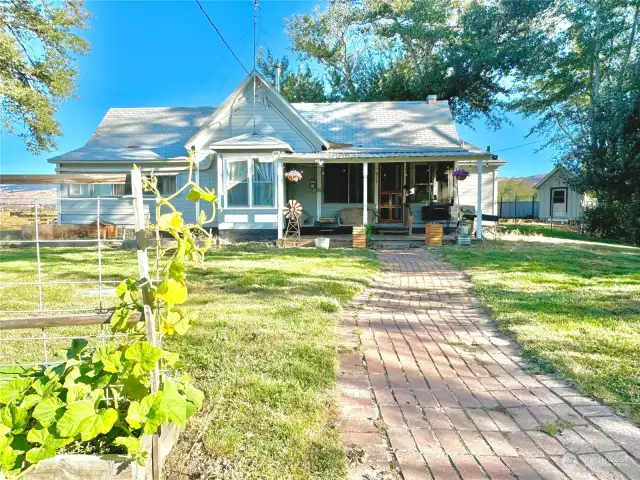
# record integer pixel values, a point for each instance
(250, 183)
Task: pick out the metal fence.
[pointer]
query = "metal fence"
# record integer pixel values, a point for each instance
(518, 207)
(61, 289)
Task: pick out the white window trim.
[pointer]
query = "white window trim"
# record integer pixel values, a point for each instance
(225, 180)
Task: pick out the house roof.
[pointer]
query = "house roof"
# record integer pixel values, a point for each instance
(383, 124)
(549, 175)
(253, 141)
(140, 134)
(346, 130)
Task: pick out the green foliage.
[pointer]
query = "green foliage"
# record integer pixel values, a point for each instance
(523, 187)
(106, 392)
(408, 49)
(295, 87)
(70, 404)
(39, 45)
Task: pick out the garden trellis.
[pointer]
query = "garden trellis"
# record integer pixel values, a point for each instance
(47, 324)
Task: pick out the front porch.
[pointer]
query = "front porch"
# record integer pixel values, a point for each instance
(386, 242)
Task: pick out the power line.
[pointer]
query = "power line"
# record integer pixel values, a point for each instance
(519, 146)
(221, 37)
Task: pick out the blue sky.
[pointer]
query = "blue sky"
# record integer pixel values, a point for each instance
(149, 54)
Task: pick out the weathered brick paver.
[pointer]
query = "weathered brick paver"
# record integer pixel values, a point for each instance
(430, 389)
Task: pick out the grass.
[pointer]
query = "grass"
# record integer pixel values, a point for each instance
(263, 350)
(555, 231)
(574, 309)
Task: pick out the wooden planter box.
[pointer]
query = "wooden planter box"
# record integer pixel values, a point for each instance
(104, 467)
(359, 237)
(433, 234)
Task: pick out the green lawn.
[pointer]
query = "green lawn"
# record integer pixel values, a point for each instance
(553, 231)
(263, 350)
(574, 308)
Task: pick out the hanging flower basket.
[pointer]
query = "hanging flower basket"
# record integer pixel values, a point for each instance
(460, 174)
(293, 175)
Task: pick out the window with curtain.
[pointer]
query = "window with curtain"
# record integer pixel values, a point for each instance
(343, 183)
(238, 183)
(263, 184)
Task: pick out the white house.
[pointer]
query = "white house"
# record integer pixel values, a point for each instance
(558, 201)
(386, 159)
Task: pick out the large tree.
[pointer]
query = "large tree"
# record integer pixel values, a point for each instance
(408, 49)
(295, 87)
(38, 44)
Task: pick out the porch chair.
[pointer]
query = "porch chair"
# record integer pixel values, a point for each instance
(493, 226)
(353, 216)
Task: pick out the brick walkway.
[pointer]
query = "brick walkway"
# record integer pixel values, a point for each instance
(440, 394)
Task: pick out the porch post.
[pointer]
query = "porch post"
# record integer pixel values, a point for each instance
(376, 183)
(318, 168)
(479, 207)
(365, 177)
(280, 202)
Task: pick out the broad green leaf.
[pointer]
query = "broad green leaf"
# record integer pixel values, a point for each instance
(39, 434)
(172, 292)
(176, 271)
(170, 357)
(132, 444)
(20, 444)
(48, 411)
(194, 395)
(174, 404)
(101, 422)
(175, 322)
(110, 358)
(170, 221)
(10, 461)
(30, 401)
(145, 354)
(45, 386)
(5, 436)
(77, 346)
(128, 291)
(147, 414)
(16, 418)
(37, 454)
(133, 388)
(70, 423)
(14, 389)
(78, 392)
(119, 318)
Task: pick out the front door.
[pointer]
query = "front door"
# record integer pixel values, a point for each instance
(558, 203)
(390, 192)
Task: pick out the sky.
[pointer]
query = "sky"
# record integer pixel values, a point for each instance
(165, 53)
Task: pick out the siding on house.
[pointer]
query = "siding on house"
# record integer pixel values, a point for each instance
(574, 199)
(468, 189)
(269, 121)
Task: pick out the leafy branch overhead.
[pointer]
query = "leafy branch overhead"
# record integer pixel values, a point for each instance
(38, 41)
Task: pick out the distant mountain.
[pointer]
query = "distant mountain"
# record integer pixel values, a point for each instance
(24, 194)
(521, 186)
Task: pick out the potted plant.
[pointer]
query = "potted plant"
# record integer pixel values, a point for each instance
(293, 176)
(460, 174)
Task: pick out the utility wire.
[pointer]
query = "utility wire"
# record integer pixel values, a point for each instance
(221, 37)
(519, 146)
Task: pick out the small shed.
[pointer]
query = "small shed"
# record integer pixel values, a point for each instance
(558, 201)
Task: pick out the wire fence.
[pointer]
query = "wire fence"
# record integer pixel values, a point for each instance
(518, 207)
(58, 278)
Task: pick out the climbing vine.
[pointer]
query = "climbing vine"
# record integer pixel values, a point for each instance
(102, 395)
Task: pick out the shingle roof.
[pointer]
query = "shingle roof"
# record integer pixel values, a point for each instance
(383, 124)
(141, 134)
(354, 129)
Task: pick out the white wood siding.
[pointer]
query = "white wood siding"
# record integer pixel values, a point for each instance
(468, 189)
(270, 121)
(574, 199)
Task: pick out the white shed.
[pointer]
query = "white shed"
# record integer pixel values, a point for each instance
(558, 201)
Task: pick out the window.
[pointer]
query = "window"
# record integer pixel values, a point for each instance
(250, 183)
(79, 190)
(121, 189)
(343, 183)
(166, 185)
(263, 186)
(558, 196)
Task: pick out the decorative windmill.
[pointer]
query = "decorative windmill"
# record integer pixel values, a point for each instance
(292, 212)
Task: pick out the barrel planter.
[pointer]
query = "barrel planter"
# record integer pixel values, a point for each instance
(359, 236)
(433, 234)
